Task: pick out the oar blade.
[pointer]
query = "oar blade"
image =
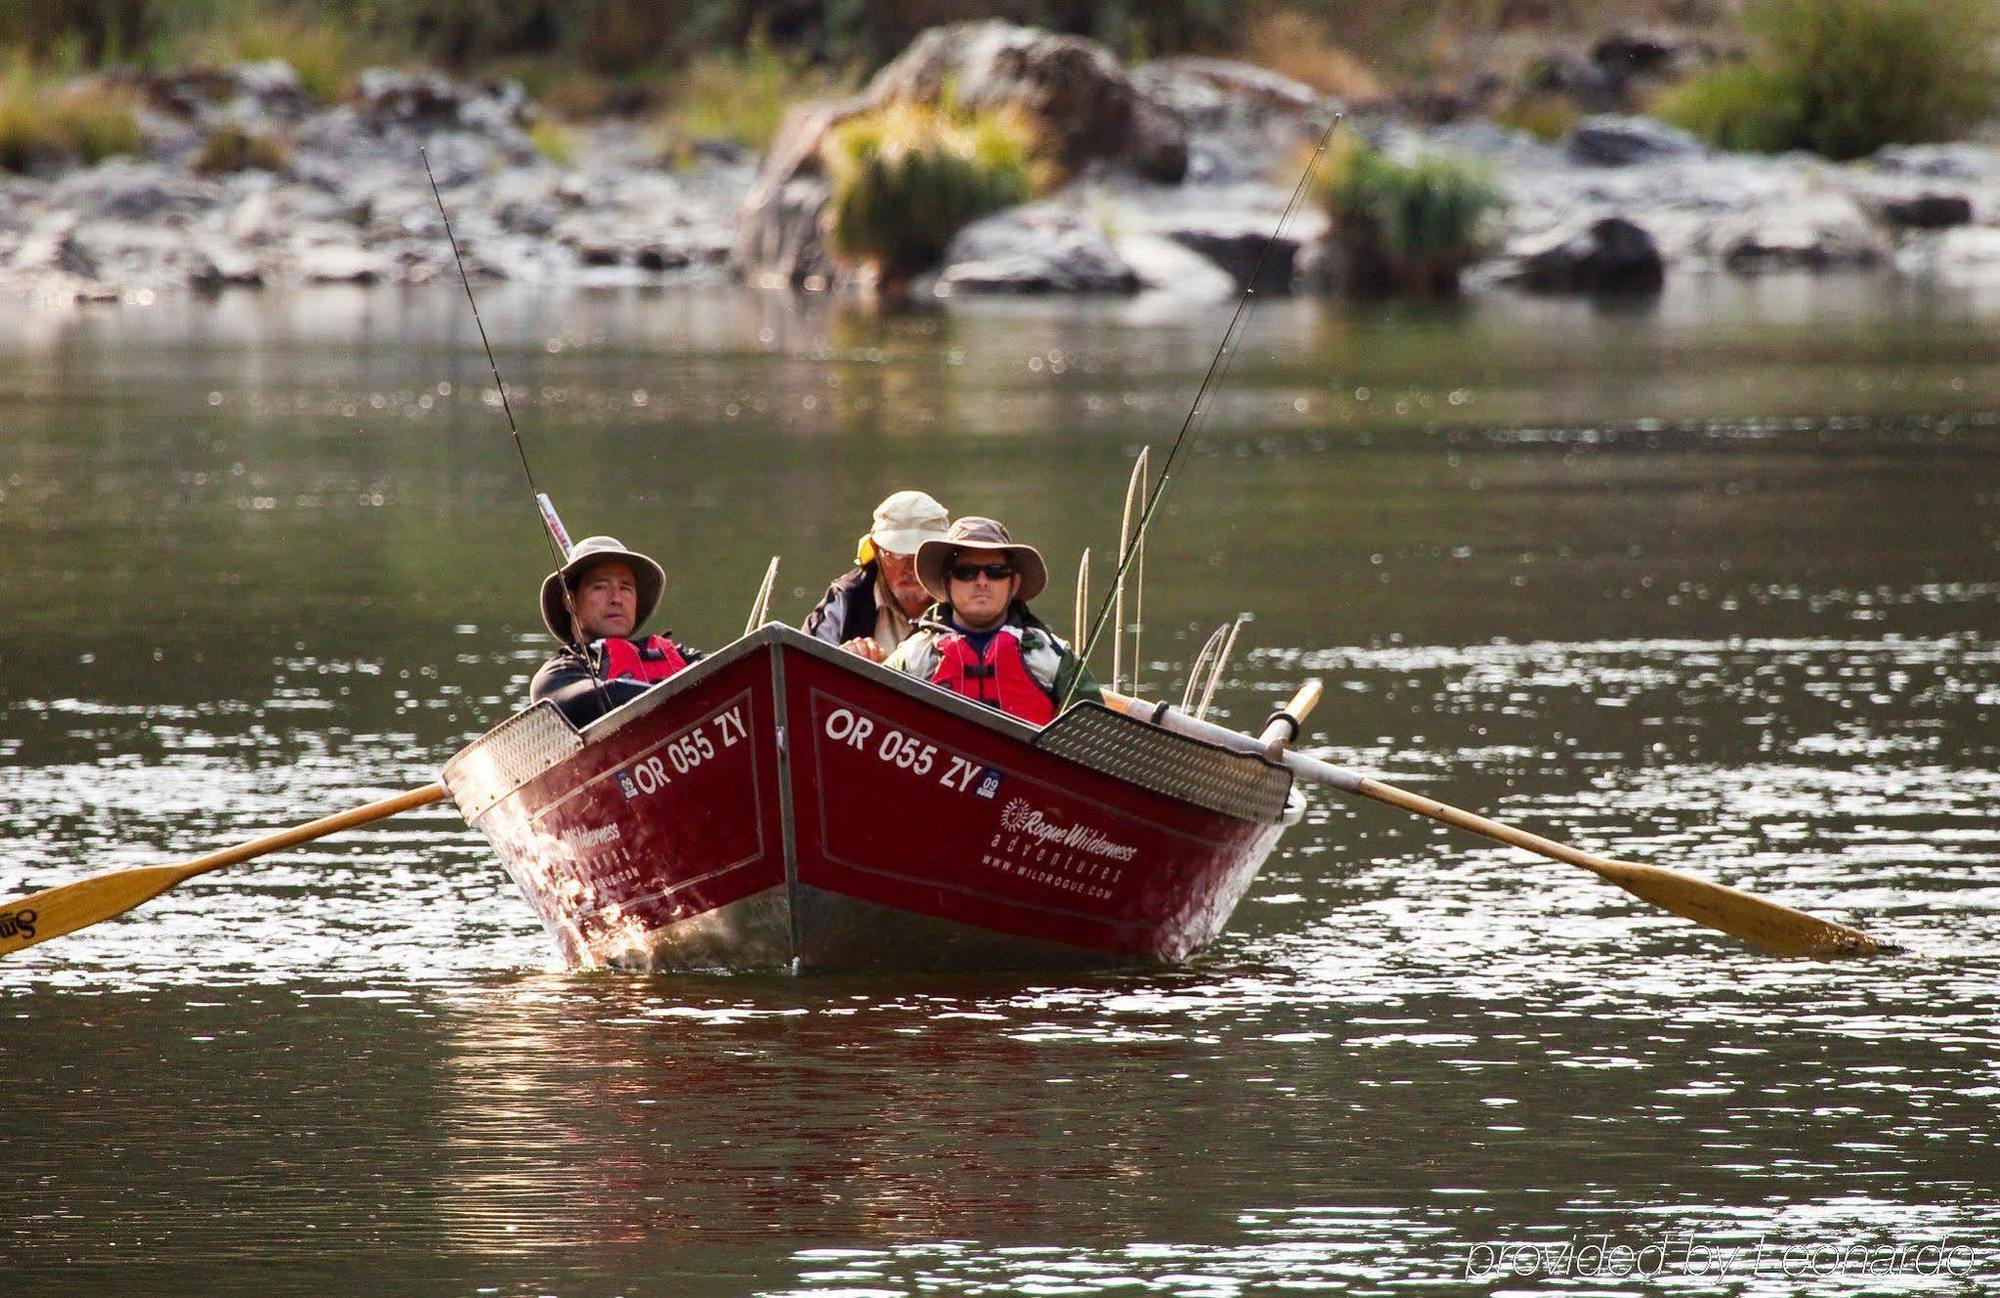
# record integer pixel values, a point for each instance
(71, 906)
(1767, 925)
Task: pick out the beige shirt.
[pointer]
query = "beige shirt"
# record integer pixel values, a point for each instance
(891, 627)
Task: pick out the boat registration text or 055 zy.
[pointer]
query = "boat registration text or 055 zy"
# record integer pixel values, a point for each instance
(917, 756)
(685, 751)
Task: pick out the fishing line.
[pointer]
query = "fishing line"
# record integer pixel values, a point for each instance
(558, 544)
(1197, 414)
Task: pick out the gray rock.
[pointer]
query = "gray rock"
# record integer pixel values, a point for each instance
(272, 86)
(386, 97)
(53, 246)
(1927, 211)
(1823, 233)
(342, 264)
(1939, 161)
(1037, 248)
(1165, 266)
(1634, 54)
(1083, 100)
(1606, 255)
(1241, 121)
(125, 190)
(216, 265)
(1235, 241)
(1608, 140)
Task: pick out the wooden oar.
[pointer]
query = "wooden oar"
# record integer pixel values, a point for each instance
(1768, 925)
(71, 906)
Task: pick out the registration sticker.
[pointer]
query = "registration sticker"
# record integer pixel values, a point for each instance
(989, 782)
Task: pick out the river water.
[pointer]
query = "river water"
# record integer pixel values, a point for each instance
(1712, 582)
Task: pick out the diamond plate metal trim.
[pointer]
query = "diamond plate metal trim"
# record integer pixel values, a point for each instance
(508, 756)
(1235, 784)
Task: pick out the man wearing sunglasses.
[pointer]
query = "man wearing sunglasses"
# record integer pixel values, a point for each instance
(980, 640)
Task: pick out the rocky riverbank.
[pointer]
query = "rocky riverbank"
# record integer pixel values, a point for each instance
(1174, 191)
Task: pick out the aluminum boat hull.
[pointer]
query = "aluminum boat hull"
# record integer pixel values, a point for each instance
(785, 805)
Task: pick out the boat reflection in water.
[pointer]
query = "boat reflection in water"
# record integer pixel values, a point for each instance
(603, 1117)
(785, 805)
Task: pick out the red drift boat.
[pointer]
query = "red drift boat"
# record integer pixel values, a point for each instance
(785, 805)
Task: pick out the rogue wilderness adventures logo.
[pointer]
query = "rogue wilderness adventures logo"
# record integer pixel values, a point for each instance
(17, 923)
(1017, 817)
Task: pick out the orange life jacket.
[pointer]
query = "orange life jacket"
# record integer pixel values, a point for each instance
(653, 659)
(999, 679)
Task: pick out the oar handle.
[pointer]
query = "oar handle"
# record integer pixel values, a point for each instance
(306, 833)
(1282, 727)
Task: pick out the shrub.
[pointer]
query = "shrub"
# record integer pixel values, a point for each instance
(1746, 107)
(1845, 77)
(553, 142)
(1542, 114)
(1404, 227)
(43, 124)
(907, 177)
(232, 148)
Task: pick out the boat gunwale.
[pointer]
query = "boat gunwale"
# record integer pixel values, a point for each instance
(777, 634)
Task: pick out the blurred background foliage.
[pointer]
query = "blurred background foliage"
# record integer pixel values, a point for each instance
(1839, 77)
(618, 37)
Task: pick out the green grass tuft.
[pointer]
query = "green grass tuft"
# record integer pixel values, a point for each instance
(1542, 114)
(907, 177)
(553, 141)
(234, 149)
(1404, 227)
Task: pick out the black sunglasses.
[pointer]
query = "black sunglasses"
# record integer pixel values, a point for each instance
(993, 571)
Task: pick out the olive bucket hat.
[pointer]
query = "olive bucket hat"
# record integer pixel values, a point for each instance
(934, 558)
(650, 578)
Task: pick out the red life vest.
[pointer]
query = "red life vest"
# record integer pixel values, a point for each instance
(653, 659)
(1000, 679)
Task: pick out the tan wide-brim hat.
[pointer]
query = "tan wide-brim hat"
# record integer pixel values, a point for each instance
(650, 578)
(934, 558)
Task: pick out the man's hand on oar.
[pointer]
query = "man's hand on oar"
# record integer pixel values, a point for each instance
(1767, 925)
(71, 906)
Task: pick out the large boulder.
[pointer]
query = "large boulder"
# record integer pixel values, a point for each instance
(1089, 109)
(1036, 248)
(1607, 255)
(1610, 140)
(1084, 102)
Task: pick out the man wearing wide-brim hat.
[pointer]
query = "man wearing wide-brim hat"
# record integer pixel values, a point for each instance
(871, 608)
(980, 639)
(595, 604)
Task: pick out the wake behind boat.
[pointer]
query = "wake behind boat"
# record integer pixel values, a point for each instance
(785, 805)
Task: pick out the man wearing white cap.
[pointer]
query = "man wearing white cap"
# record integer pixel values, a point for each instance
(870, 609)
(611, 591)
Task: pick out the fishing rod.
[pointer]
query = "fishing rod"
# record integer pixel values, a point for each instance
(1218, 368)
(552, 526)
